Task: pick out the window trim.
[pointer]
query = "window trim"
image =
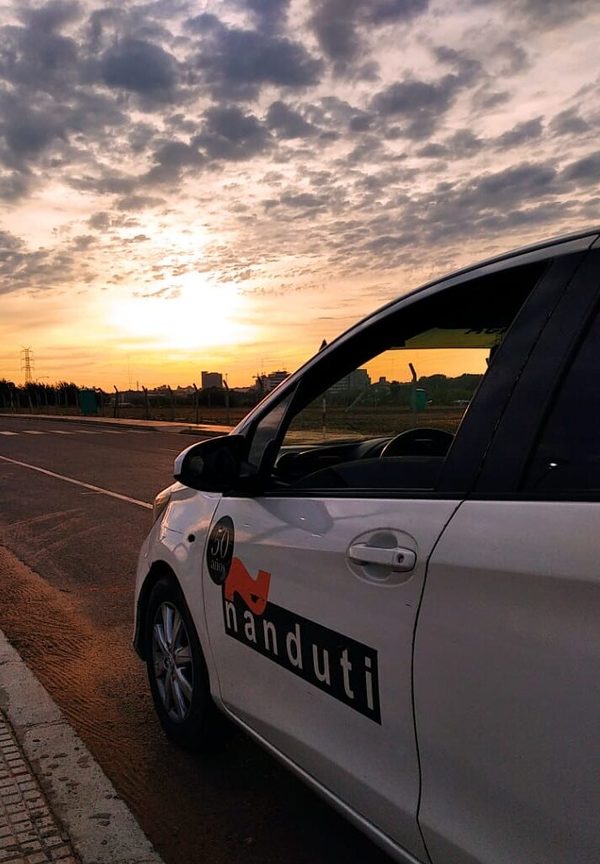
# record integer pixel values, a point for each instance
(557, 249)
(464, 462)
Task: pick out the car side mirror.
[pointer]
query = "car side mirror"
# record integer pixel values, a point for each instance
(214, 465)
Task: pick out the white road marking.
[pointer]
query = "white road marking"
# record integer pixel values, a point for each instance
(108, 492)
(77, 431)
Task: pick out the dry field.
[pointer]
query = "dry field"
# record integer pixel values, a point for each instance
(360, 422)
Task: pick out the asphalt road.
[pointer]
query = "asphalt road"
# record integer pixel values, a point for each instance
(66, 582)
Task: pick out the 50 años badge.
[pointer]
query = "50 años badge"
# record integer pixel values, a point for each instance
(219, 550)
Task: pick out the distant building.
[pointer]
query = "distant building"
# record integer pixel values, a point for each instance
(359, 379)
(212, 379)
(266, 383)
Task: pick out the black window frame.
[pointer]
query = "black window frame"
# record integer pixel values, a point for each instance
(524, 420)
(475, 434)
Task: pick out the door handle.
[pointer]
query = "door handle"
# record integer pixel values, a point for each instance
(398, 558)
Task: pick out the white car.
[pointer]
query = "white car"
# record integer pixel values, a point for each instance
(395, 587)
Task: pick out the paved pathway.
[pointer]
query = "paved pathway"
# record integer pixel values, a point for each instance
(29, 833)
(56, 803)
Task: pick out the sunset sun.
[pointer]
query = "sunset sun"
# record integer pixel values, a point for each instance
(191, 316)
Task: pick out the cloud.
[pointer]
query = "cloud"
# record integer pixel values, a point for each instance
(38, 58)
(139, 67)
(569, 122)
(14, 186)
(52, 16)
(135, 203)
(514, 184)
(99, 221)
(421, 104)
(39, 269)
(463, 144)
(303, 200)
(268, 14)
(231, 134)
(340, 25)
(522, 133)
(583, 170)
(169, 292)
(171, 158)
(485, 99)
(236, 63)
(288, 123)
(28, 132)
(433, 151)
(514, 58)
(360, 122)
(546, 14)
(467, 68)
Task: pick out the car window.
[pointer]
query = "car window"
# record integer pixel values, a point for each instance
(382, 411)
(566, 459)
(266, 430)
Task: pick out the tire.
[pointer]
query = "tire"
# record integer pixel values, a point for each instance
(177, 670)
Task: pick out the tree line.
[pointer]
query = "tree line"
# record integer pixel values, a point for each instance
(35, 396)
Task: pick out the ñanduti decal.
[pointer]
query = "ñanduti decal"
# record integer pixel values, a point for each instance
(336, 664)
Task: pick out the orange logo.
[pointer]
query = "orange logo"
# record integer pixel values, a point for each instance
(254, 592)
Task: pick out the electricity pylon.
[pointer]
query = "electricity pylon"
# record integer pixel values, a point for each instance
(27, 364)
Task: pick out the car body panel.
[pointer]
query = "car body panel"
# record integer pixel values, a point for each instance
(301, 544)
(188, 515)
(507, 665)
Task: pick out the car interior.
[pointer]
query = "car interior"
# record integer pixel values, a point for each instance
(475, 315)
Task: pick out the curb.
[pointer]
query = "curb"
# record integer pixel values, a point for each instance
(116, 423)
(101, 828)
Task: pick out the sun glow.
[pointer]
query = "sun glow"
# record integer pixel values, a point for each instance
(187, 316)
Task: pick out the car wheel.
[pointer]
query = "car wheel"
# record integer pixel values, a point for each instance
(176, 669)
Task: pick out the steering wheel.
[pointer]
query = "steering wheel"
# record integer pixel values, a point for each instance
(419, 442)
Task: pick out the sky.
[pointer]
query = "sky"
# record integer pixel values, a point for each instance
(221, 185)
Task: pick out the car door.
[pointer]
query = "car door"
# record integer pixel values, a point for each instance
(312, 629)
(507, 647)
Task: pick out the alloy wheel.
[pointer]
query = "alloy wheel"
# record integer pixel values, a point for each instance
(172, 661)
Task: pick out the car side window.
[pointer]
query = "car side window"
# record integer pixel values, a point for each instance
(265, 432)
(373, 427)
(566, 460)
(381, 411)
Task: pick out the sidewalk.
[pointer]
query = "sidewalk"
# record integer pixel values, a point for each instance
(56, 803)
(202, 429)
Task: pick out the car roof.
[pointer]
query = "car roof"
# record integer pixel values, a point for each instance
(497, 262)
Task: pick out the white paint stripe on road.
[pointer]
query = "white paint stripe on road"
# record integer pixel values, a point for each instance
(60, 432)
(32, 432)
(88, 431)
(143, 504)
(9, 433)
(112, 431)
